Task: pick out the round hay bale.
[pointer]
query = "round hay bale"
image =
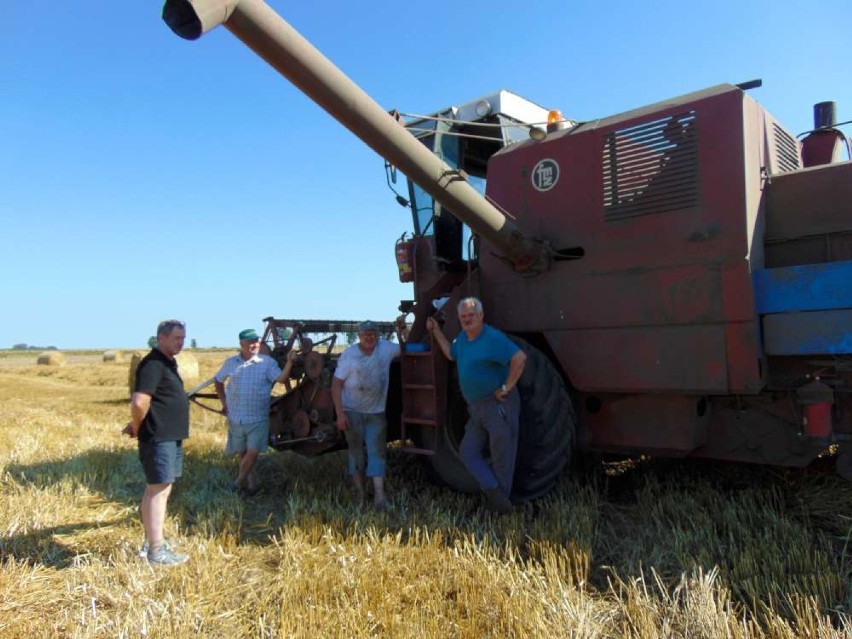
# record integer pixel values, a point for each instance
(186, 362)
(113, 356)
(187, 365)
(51, 358)
(134, 363)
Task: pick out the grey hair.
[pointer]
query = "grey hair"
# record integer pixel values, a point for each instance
(167, 326)
(470, 301)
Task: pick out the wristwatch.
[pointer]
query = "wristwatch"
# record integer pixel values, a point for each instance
(504, 388)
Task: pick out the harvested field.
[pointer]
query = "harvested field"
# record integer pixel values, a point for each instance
(638, 550)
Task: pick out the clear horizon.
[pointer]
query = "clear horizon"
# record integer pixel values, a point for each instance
(147, 177)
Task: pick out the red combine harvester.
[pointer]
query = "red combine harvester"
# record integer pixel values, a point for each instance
(678, 274)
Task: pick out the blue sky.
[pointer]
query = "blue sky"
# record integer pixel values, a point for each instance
(145, 177)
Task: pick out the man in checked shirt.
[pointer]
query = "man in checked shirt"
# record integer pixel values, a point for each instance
(245, 402)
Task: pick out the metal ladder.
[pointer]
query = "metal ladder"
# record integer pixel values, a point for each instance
(424, 400)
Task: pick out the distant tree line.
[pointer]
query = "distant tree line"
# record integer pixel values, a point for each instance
(152, 342)
(27, 347)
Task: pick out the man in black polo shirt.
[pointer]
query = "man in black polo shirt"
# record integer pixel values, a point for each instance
(159, 418)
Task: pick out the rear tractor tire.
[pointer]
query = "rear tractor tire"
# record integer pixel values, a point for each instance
(546, 435)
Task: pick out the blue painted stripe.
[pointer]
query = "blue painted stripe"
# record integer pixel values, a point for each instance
(808, 287)
(813, 333)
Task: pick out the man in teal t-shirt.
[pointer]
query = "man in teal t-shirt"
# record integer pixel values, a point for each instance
(489, 367)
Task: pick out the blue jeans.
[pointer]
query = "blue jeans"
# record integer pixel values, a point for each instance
(493, 426)
(367, 437)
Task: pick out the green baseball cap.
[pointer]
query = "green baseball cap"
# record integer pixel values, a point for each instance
(249, 335)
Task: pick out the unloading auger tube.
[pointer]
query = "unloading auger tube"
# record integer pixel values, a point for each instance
(274, 40)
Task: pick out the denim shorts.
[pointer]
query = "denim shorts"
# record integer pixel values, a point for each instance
(162, 462)
(242, 437)
(366, 438)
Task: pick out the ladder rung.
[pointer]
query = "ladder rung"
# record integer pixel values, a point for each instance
(416, 354)
(419, 386)
(419, 420)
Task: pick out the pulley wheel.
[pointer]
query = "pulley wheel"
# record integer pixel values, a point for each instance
(301, 424)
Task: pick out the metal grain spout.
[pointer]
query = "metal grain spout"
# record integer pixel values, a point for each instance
(274, 40)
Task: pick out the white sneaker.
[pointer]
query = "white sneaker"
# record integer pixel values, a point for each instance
(143, 551)
(163, 556)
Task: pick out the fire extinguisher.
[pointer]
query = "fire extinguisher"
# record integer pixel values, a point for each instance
(816, 398)
(405, 259)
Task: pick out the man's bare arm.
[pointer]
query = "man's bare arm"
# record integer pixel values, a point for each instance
(516, 369)
(140, 404)
(438, 335)
(288, 367)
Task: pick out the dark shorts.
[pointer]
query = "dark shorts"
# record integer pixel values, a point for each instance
(162, 462)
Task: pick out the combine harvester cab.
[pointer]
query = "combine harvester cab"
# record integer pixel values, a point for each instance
(673, 272)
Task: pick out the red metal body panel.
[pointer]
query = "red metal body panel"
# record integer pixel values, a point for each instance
(745, 358)
(756, 429)
(662, 300)
(676, 424)
(658, 317)
(808, 216)
(675, 358)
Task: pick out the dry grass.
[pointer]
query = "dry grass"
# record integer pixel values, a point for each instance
(660, 550)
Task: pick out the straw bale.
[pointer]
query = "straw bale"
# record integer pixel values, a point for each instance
(51, 358)
(187, 367)
(135, 358)
(113, 356)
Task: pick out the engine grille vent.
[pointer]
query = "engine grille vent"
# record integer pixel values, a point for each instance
(786, 150)
(651, 167)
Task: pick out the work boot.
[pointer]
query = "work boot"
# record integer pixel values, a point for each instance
(496, 500)
(251, 492)
(252, 487)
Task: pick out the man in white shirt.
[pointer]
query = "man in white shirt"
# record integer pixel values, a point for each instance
(360, 390)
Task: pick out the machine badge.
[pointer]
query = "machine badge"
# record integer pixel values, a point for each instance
(545, 175)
